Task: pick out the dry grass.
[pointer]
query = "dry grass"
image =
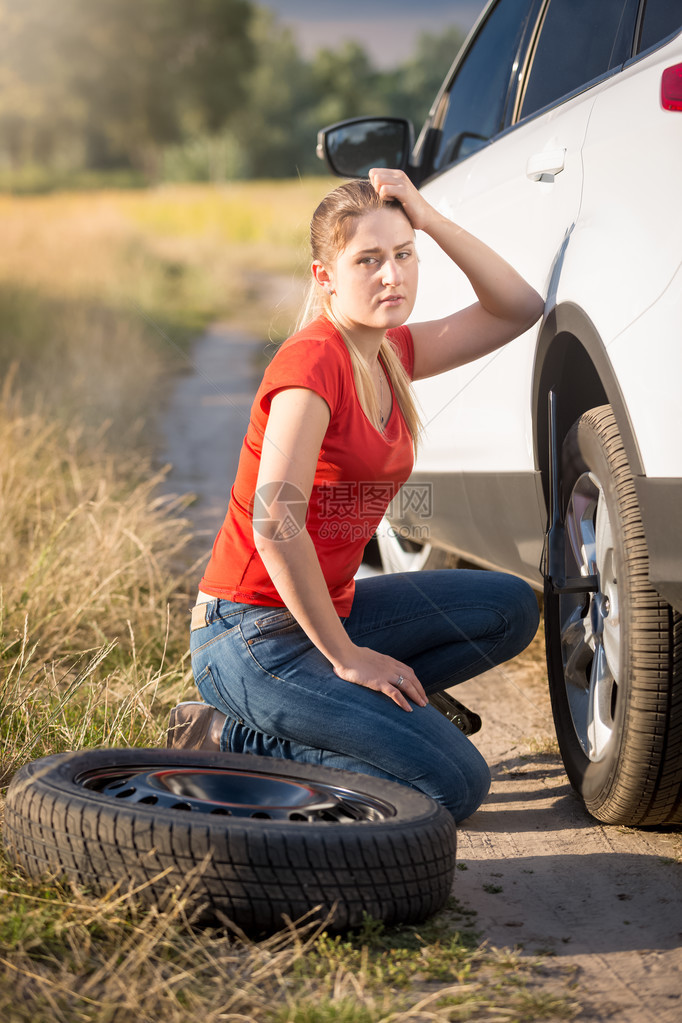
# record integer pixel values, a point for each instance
(101, 293)
(178, 252)
(91, 622)
(85, 541)
(71, 958)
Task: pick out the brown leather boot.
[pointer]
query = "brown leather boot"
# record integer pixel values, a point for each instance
(195, 725)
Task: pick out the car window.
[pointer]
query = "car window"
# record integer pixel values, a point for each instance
(579, 41)
(661, 19)
(477, 98)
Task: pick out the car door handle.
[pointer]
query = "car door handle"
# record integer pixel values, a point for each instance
(543, 166)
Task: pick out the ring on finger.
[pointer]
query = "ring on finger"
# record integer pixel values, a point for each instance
(400, 681)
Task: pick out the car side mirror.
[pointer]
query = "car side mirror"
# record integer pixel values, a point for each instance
(351, 148)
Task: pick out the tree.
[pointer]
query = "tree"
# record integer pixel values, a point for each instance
(211, 88)
(345, 84)
(410, 90)
(122, 76)
(39, 115)
(275, 128)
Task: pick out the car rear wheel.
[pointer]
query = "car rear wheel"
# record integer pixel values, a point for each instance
(614, 656)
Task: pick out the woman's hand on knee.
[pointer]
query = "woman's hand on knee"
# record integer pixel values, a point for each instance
(385, 675)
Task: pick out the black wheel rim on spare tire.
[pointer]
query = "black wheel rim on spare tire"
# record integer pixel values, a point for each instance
(232, 792)
(261, 839)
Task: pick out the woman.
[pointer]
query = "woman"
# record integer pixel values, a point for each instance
(293, 658)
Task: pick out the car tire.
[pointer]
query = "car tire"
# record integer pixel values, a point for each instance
(614, 657)
(261, 839)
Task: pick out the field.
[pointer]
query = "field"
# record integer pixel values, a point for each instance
(100, 296)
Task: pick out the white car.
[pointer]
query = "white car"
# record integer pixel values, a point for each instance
(557, 139)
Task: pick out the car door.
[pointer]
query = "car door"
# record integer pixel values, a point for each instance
(520, 192)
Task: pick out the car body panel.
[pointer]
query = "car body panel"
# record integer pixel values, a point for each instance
(623, 261)
(583, 198)
(527, 222)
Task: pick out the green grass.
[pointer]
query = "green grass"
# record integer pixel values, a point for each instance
(35, 180)
(64, 956)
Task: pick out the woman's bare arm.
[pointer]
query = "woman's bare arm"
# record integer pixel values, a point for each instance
(507, 305)
(296, 426)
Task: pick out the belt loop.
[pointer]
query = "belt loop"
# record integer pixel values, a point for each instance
(199, 616)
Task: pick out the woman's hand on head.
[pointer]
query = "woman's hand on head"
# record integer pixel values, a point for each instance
(384, 674)
(395, 184)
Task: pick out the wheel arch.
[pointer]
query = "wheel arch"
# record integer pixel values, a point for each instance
(572, 360)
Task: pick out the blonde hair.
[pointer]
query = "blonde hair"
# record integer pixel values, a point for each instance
(331, 228)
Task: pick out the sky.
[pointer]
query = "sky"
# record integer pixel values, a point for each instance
(387, 29)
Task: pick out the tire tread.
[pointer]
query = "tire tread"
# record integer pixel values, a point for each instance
(397, 870)
(645, 783)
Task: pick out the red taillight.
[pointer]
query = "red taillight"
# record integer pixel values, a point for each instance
(671, 88)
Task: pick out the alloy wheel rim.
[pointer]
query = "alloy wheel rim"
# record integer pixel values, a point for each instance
(400, 554)
(590, 622)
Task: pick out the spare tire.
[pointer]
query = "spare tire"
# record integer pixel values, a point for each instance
(265, 838)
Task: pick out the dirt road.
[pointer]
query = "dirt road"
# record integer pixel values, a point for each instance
(543, 875)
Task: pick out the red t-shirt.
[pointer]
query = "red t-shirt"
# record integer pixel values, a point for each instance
(359, 470)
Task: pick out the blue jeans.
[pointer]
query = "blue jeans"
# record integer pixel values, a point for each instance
(282, 698)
